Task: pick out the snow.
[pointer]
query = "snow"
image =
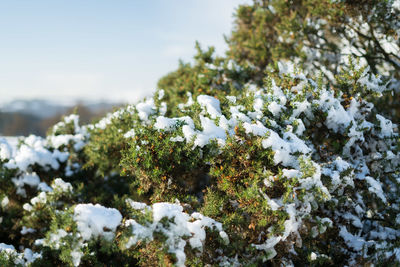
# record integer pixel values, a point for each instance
(386, 126)
(283, 148)
(66, 139)
(163, 123)
(269, 245)
(76, 257)
(26, 230)
(27, 207)
(5, 149)
(237, 115)
(273, 204)
(376, 187)
(285, 67)
(34, 151)
(136, 205)
(7, 248)
(31, 179)
(258, 104)
(60, 185)
(130, 134)
(277, 92)
(161, 210)
(338, 118)
(292, 224)
(372, 82)
(226, 125)
(354, 242)
(301, 107)
(145, 109)
(396, 4)
(25, 258)
(55, 238)
(44, 187)
(211, 104)
(202, 138)
(106, 120)
(161, 94)
(31, 256)
(169, 124)
(181, 225)
(210, 131)
(177, 139)
(280, 147)
(188, 103)
(41, 198)
(275, 108)
(257, 129)
(292, 173)
(188, 133)
(313, 256)
(341, 165)
(300, 127)
(356, 222)
(139, 232)
(4, 202)
(96, 220)
(78, 139)
(231, 99)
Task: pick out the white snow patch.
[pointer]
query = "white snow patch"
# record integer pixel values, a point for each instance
(211, 104)
(96, 220)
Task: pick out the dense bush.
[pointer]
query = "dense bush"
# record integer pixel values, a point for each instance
(227, 166)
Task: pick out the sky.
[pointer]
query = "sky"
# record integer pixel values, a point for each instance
(100, 50)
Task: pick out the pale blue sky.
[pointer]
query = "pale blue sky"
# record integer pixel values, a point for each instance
(102, 50)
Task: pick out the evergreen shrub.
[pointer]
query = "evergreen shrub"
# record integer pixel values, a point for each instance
(227, 164)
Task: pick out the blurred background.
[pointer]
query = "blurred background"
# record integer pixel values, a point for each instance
(57, 56)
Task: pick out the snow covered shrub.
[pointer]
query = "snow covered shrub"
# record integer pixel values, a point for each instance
(281, 165)
(234, 163)
(318, 35)
(288, 172)
(29, 168)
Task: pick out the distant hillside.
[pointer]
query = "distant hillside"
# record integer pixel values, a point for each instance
(37, 107)
(45, 109)
(25, 117)
(14, 123)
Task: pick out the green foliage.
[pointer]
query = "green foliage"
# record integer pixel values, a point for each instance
(242, 160)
